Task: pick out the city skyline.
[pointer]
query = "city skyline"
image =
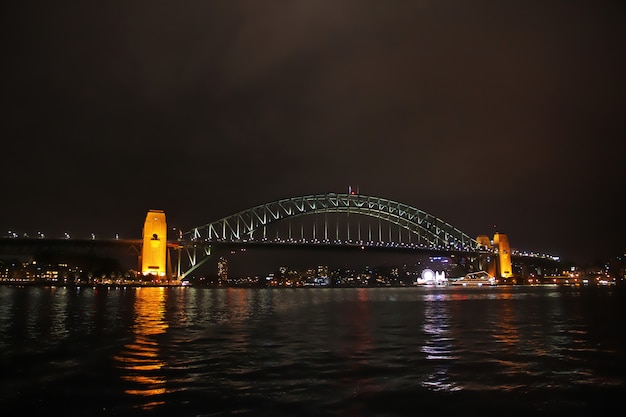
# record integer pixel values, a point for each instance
(493, 117)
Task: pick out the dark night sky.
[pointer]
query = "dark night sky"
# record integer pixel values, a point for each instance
(483, 113)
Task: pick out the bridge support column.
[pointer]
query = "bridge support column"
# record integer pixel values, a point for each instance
(154, 249)
(501, 241)
(487, 263)
(500, 264)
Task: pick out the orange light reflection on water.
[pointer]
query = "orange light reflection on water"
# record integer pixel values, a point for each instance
(140, 359)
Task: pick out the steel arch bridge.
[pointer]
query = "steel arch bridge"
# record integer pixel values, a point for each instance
(406, 226)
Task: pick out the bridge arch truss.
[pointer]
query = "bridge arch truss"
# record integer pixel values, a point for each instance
(253, 224)
(421, 229)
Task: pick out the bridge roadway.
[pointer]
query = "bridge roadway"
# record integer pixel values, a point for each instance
(31, 245)
(334, 245)
(10, 246)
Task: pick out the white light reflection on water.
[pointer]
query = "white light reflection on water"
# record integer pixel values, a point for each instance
(438, 342)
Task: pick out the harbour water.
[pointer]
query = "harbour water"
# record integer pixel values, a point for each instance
(183, 351)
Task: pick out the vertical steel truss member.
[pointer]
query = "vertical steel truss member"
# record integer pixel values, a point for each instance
(192, 256)
(423, 228)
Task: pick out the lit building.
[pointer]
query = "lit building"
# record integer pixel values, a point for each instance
(222, 269)
(322, 270)
(154, 250)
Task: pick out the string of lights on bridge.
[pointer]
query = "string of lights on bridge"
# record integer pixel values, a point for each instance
(374, 244)
(315, 242)
(41, 235)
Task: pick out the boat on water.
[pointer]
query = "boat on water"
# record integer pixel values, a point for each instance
(475, 279)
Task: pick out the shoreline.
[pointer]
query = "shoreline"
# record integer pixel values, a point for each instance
(180, 284)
